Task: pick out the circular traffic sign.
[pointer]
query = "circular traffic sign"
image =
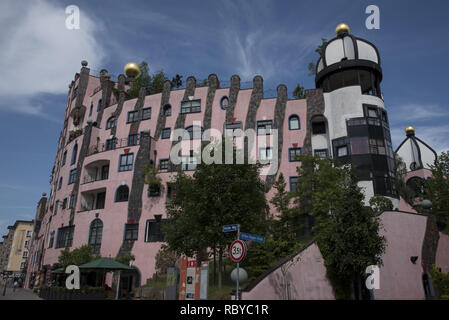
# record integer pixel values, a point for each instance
(237, 250)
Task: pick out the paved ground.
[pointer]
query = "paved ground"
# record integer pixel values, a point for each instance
(19, 294)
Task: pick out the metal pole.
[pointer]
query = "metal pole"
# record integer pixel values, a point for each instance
(118, 286)
(238, 271)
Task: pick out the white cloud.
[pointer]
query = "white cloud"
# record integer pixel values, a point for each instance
(417, 112)
(39, 54)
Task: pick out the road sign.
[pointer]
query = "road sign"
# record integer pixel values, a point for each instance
(230, 227)
(252, 237)
(237, 250)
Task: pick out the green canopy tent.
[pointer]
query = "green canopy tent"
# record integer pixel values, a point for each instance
(104, 265)
(58, 271)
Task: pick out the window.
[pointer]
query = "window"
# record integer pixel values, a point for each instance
(65, 237)
(166, 133)
(55, 212)
(171, 191)
(91, 109)
(51, 239)
(167, 110)
(64, 203)
(154, 190)
(131, 231)
(318, 127)
(99, 105)
(372, 113)
(22, 265)
(29, 233)
(95, 235)
(74, 152)
(224, 102)
(75, 92)
(192, 106)
(293, 154)
(111, 123)
(72, 201)
(153, 229)
(188, 162)
(146, 113)
(294, 123)
(322, 153)
(163, 164)
(293, 184)
(111, 143)
(105, 172)
(265, 154)
(122, 193)
(132, 139)
(133, 116)
(25, 245)
(126, 162)
(100, 200)
(264, 127)
(377, 146)
(64, 157)
(359, 145)
(25, 254)
(60, 183)
(342, 151)
(72, 176)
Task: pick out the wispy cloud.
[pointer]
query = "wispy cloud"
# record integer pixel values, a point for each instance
(417, 112)
(39, 55)
(433, 135)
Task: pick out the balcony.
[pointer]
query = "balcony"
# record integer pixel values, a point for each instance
(93, 200)
(115, 143)
(96, 171)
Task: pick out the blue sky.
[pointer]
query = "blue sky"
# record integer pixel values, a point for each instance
(275, 39)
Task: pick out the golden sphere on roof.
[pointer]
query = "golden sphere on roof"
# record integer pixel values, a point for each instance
(409, 130)
(132, 70)
(342, 28)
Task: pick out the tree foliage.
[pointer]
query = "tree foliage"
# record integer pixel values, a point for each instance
(298, 93)
(346, 231)
(216, 195)
(153, 84)
(165, 258)
(77, 256)
(379, 204)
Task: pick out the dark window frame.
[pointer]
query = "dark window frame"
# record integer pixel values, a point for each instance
(122, 194)
(292, 117)
(131, 231)
(128, 166)
(294, 150)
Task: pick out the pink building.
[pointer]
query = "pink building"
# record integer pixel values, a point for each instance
(97, 195)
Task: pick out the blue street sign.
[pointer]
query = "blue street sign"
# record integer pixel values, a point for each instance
(230, 227)
(252, 237)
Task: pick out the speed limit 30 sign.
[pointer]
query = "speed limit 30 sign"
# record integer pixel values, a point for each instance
(237, 250)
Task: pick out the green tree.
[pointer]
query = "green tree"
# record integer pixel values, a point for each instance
(298, 93)
(126, 258)
(345, 231)
(437, 190)
(77, 256)
(165, 258)
(216, 195)
(379, 204)
(153, 84)
(320, 50)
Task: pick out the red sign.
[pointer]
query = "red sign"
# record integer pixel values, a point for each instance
(237, 250)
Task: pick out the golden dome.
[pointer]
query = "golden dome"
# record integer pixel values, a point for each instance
(132, 70)
(410, 130)
(341, 28)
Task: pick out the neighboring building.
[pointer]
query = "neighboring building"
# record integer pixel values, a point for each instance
(97, 195)
(15, 248)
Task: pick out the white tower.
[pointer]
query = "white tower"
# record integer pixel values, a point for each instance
(354, 127)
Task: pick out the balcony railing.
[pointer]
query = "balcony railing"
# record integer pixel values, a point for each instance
(89, 179)
(114, 144)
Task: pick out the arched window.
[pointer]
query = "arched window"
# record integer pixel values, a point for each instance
(167, 110)
(294, 123)
(74, 153)
(95, 235)
(91, 109)
(224, 102)
(60, 183)
(99, 105)
(122, 193)
(112, 121)
(416, 184)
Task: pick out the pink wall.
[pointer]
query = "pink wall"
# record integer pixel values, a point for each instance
(307, 278)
